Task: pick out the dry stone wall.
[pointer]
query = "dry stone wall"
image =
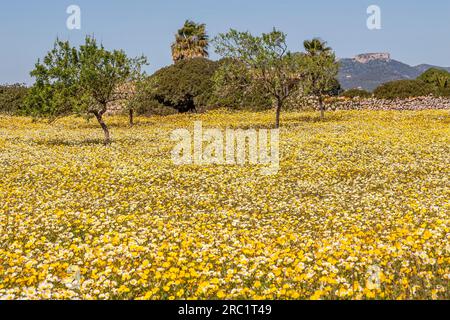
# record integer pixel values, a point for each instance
(419, 103)
(307, 103)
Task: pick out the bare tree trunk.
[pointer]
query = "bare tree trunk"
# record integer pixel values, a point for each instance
(278, 116)
(322, 108)
(131, 117)
(99, 116)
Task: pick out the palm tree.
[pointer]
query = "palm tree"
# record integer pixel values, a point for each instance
(316, 47)
(191, 41)
(322, 63)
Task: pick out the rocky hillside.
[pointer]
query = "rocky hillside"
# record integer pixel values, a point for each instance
(368, 71)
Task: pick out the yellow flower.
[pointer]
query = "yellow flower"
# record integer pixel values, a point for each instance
(348, 198)
(123, 289)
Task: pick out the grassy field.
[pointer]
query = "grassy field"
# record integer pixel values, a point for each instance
(359, 209)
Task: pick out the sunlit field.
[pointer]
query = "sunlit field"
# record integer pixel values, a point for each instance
(359, 210)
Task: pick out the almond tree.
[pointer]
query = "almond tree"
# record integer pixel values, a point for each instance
(82, 80)
(267, 60)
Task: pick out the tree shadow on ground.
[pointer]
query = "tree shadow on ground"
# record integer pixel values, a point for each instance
(58, 142)
(315, 119)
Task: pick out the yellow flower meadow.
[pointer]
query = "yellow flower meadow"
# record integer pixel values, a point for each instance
(359, 210)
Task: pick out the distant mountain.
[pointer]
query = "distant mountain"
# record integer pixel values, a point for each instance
(424, 67)
(368, 71)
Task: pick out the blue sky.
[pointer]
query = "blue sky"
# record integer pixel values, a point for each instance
(412, 31)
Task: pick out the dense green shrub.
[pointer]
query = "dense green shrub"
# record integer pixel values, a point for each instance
(432, 82)
(335, 89)
(440, 79)
(436, 77)
(443, 92)
(402, 89)
(185, 86)
(12, 98)
(356, 93)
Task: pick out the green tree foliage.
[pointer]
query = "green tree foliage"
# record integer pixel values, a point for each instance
(436, 77)
(191, 41)
(12, 98)
(266, 63)
(316, 47)
(356, 93)
(335, 88)
(440, 79)
(234, 88)
(321, 71)
(403, 89)
(432, 82)
(185, 86)
(80, 80)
